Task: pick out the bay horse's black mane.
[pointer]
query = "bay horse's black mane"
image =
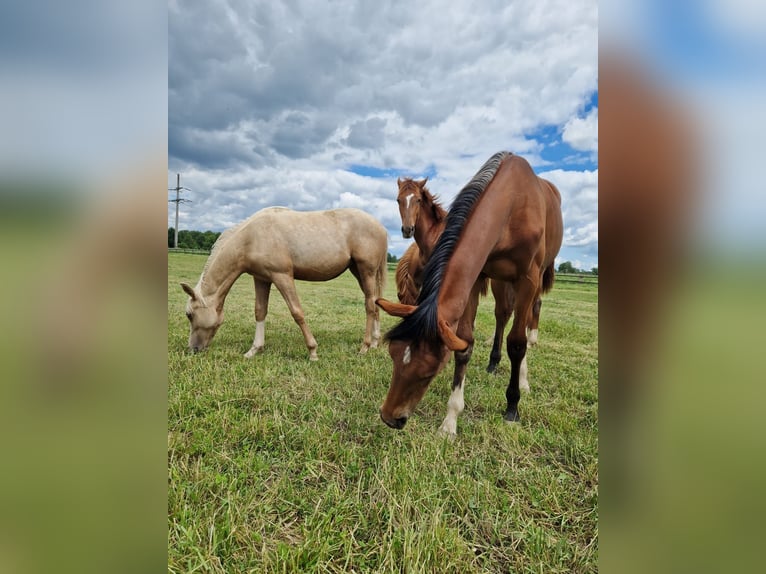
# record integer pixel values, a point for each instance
(421, 327)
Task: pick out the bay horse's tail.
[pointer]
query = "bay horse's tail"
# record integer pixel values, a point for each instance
(548, 277)
(483, 281)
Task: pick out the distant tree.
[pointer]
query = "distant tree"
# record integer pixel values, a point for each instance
(171, 236)
(594, 271)
(567, 267)
(391, 258)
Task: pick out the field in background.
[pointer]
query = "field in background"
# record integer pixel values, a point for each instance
(279, 464)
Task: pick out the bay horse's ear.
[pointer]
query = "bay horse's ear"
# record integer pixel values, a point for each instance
(186, 287)
(422, 183)
(453, 342)
(395, 309)
(399, 182)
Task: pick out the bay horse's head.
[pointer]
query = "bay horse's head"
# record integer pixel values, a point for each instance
(416, 363)
(409, 199)
(204, 320)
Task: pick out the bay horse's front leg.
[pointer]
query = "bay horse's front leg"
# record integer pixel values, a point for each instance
(525, 290)
(456, 402)
(262, 290)
(286, 287)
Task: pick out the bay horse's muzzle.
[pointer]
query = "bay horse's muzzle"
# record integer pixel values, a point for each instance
(407, 231)
(397, 424)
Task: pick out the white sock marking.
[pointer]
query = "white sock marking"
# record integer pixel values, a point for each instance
(260, 328)
(523, 382)
(455, 406)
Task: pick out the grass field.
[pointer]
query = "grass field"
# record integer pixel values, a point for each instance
(279, 464)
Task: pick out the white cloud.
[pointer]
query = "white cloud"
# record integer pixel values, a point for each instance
(582, 133)
(271, 103)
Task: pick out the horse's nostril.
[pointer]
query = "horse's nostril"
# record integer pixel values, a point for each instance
(400, 422)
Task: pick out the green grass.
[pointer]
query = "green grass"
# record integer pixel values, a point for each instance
(279, 464)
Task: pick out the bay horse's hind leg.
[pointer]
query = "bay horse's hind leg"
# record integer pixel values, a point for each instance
(525, 291)
(286, 287)
(366, 276)
(262, 290)
(534, 322)
(503, 294)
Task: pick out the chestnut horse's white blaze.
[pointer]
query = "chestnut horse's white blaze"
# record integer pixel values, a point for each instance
(505, 225)
(276, 246)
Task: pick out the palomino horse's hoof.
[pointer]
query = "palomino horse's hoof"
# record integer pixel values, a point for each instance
(253, 352)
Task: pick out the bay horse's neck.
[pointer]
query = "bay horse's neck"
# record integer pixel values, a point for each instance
(429, 225)
(221, 271)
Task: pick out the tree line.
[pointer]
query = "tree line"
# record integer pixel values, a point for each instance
(567, 267)
(193, 239)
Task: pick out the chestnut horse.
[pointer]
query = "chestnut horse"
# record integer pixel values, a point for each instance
(424, 218)
(277, 245)
(505, 224)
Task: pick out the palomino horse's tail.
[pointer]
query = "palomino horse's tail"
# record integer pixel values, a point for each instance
(548, 277)
(380, 276)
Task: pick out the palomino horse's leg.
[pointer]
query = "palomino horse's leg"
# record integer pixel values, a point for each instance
(503, 294)
(367, 279)
(286, 287)
(456, 403)
(525, 290)
(262, 290)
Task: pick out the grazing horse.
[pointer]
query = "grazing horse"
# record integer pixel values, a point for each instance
(424, 218)
(504, 224)
(277, 245)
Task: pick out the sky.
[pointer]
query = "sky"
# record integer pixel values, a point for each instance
(319, 105)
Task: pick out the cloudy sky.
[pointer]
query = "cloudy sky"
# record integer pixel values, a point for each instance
(316, 105)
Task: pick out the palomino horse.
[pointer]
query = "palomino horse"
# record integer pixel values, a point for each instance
(277, 245)
(505, 224)
(424, 218)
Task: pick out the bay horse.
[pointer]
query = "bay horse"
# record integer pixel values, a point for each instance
(424, 218)
(504, 224)
(278, 245)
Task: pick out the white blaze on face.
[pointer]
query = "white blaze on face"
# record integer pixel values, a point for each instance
(409, 198)
(407, 356)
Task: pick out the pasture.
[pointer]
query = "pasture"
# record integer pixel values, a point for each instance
(280, 464)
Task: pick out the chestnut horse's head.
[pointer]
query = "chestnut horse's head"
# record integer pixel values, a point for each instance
(204, 320)
(409, 199)
(416, 363)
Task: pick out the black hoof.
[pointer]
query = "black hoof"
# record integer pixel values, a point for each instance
(491, 368)
(511, 416)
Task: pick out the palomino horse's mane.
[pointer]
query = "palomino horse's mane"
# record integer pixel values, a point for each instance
(422, 326)
(430, 200)
(217, 247)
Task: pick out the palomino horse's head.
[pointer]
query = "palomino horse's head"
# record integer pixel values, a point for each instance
(416, 363)
(409, 200)
(204, 320)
